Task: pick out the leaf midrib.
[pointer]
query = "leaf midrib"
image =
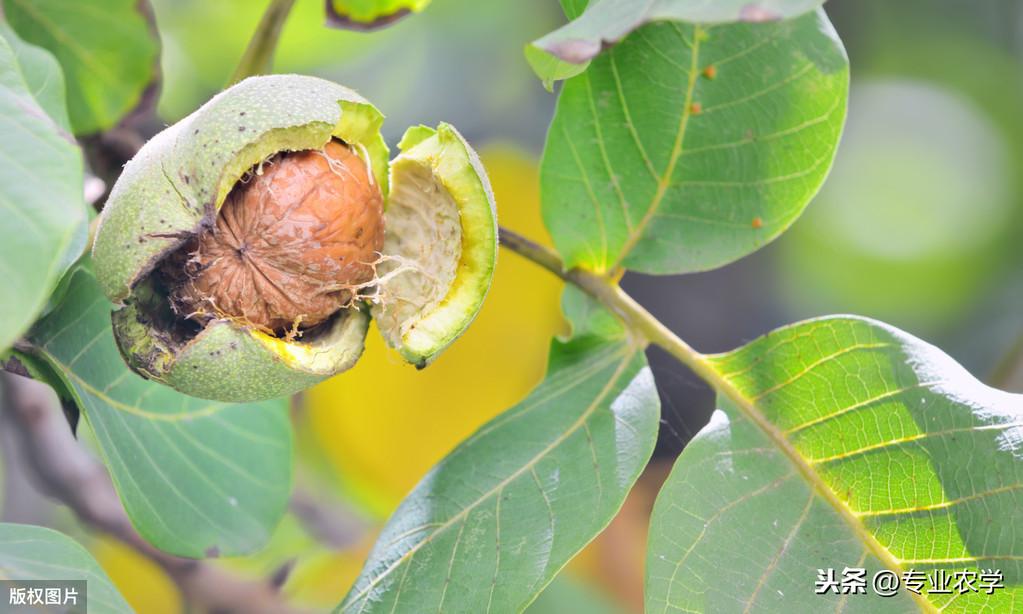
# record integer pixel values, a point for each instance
(748, 407)
(664, 182)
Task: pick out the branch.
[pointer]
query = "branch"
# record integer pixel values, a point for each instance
(65, 471)
(331, 522)
(258, 57)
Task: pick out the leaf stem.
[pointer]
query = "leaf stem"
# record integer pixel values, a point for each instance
(258, 56)
(640, 321)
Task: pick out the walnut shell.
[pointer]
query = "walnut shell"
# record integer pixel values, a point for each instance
(290, 246)
(230, 231)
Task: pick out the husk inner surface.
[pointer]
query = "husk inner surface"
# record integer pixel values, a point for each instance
(422, 248)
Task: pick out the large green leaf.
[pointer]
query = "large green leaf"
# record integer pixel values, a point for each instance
(605, 22)
(29, 552)
(493, 522)
(106, 47)
(197, 478)
(840, 442)
(40, 185)
(370, 14)
(687, 147)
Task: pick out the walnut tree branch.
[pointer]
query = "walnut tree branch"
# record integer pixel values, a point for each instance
(64, 470)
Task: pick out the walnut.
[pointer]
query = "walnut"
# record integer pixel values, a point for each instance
(242, 290)
(291, 245)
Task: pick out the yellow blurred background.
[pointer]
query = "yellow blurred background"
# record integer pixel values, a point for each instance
(383, 424)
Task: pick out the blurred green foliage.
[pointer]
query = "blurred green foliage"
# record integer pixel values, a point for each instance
(458, 61)
(919, 222)
(917, 205)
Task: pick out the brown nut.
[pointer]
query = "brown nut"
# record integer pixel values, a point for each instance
(291, 245)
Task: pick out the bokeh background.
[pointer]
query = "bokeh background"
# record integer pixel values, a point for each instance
(919, 225)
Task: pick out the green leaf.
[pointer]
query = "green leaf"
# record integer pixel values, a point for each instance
(720, 11)
(42, 74)
(370, 14)
(551, 69)
(605, 22)
(840, 442)
(573, 8)
(491, 524)
(106, 47)
(40, 187)
(587, 317)
(29, 552)
(197, 478)
(41, 371)
(687, 147)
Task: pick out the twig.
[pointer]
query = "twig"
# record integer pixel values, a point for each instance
(64, 470)
(258, 56)
(331, 522)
